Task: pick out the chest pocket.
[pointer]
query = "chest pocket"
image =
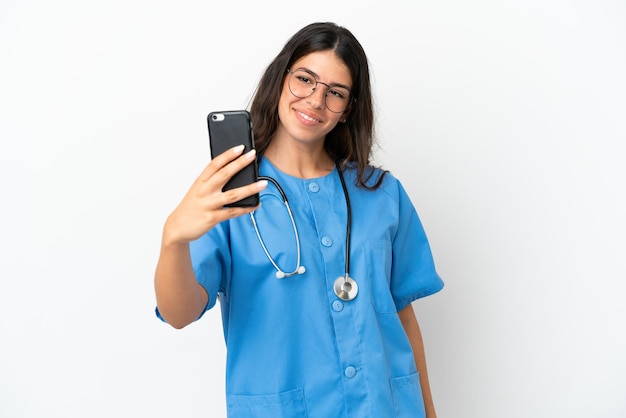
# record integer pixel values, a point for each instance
(282, 405)
(379, 259)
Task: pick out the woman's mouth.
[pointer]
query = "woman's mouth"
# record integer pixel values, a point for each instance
(308, 118)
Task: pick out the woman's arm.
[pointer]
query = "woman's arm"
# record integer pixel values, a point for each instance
(180, 298)
(412, 329)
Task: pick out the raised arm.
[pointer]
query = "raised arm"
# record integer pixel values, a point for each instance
(180, 298)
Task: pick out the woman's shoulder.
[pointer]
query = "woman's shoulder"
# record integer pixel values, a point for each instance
(373, 175)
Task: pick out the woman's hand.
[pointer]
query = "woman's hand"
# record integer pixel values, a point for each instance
(203, 206)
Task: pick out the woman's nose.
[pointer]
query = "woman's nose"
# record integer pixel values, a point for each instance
(317, 99)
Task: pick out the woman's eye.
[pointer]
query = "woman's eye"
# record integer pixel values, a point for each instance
(304, 80)
(337, 93)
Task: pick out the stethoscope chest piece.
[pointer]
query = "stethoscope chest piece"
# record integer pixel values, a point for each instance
(346, 288)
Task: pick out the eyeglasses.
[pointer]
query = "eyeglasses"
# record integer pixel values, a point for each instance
(302, 84)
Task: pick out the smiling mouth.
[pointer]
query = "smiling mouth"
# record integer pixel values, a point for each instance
(309, 118)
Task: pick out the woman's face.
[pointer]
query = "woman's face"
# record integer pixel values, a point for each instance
(308, 120)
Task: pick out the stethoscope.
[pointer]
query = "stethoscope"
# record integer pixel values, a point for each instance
(345, 287)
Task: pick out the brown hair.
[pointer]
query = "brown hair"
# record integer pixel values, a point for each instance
(351, 141)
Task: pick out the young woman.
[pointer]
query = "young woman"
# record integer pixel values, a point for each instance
(315, 300)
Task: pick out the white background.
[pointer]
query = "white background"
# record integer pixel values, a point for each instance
(504, 120)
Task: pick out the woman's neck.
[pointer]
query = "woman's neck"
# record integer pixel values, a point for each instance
(299, 160)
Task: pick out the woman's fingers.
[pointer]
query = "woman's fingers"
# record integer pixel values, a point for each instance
(223, 160)
(205, 204)
(235, 195)
(224, 212)
(227, 213)
(224, 174)
(221, 169)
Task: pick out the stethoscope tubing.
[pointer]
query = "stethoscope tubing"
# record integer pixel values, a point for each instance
(279, 272)
(345, 287)
(348, 221)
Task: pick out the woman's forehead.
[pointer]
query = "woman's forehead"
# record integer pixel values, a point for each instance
(326, 66)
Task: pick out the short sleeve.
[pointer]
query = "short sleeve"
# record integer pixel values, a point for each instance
(210, 258)
(413, 273)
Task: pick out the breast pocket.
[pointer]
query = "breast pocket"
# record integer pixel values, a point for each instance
(282, 405)
(379, 260)
(407, 396)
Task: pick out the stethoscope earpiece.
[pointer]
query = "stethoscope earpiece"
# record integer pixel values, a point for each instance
(281, 274)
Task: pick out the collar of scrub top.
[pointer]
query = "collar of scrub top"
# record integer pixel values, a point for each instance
(345, 287)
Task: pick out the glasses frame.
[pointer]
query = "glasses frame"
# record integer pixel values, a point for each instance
(291, 72)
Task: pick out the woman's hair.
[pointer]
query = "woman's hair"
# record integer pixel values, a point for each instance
(351, 141)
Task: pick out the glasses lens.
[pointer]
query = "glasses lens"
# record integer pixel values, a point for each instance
(337, 99)
(303, 84)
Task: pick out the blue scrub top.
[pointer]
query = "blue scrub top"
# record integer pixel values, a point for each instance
(293, 348)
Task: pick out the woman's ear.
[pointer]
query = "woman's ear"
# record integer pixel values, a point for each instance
(346, 113)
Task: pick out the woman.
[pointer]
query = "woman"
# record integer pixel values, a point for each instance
(317, 313)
